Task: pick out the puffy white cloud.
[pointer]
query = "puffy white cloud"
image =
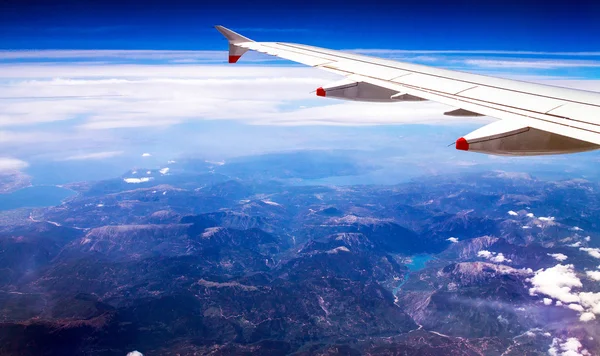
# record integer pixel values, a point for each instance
(91, 156)
(452, 239)
(530, 215)
(559, 283)
(576, 228)
(146, 154)
(547, 301)
(164, 170)
(591, 301)
(499, 258)
(595, 275)
(135, 353)
(493, 256)
(575, 307)
(512, 213)
(546, 218)
(556, 282)
(569, 347)
(594, 252)
(587, 317)
(558, 256)
(484, 254)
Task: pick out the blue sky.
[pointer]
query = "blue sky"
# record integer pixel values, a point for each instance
(424, 24)
(86, 83)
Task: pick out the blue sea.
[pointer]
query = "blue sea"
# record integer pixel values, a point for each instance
(35, 197)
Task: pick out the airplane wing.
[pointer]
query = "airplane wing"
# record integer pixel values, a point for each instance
(535, 119)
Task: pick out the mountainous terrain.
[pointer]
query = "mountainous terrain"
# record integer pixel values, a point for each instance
(228, 258)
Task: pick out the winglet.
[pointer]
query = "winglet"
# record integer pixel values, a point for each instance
(234, 38)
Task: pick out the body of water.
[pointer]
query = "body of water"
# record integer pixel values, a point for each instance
(35, 197)
(417, 262)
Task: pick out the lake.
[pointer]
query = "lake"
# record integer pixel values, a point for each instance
(417, 262)
(35, 197)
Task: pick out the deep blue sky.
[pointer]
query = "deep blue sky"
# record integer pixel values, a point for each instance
(421, 24)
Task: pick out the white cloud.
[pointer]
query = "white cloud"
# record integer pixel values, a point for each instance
(594, 252)
(135, 353)
(576, 228)
(587, 317)
(546, 218)
(512, 213)
(9, 165)
(107, 94)
(575, 307)
(595, 275)
(530, 215)
(591, 301)
(556, 282)
(558, 256)
(452, 239)
(493, 256)
(484, 254)
(146, 154)
(559, 283)
(94, 155)
(163, 170)
(576, 244)
(499, 258)
(121, 96)
(547, 301)
(570, 347)
(137, 180)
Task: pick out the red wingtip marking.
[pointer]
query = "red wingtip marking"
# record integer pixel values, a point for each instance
(462, 144)
(321, 92)
(234, 59)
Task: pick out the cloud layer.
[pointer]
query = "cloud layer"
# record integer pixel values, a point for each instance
(88, 102)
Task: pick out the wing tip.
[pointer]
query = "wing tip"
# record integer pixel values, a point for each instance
(232, 36)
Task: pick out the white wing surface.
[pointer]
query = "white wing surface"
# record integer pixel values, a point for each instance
(536, 119)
